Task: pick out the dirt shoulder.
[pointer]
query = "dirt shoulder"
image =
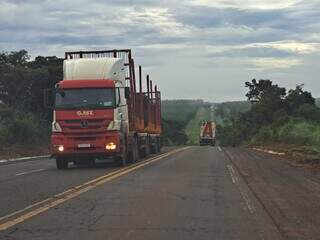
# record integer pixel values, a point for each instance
(17, 151)
(290, 195)
(295, 155)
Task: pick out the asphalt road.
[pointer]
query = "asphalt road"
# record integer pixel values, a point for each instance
(187, 193)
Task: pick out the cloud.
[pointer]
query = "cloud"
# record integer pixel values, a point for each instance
(248, 4)
(182, 43)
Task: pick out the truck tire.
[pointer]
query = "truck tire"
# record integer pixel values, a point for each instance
(159, 142)
(147, 150)
(133, 155)
(61, 163)
(154, 148)
(122, 160)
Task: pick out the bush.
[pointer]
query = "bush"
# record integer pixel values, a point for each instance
(21, 128)
(308, 112)
(265, 134)
(295, 131)
(173, 132)
(300, 132)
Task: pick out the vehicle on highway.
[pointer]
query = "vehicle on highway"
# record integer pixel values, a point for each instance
(98, 112)
(207, 133)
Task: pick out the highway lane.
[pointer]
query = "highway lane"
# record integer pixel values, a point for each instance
(196, 193)
(25, 183)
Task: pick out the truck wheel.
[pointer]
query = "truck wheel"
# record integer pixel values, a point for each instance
(122, 160)
(61, 163)
(134, 153)
(159, 144)
(147, 148)
(146, 151)
(155, 147)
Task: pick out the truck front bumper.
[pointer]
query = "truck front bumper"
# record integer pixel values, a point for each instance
(102, 145)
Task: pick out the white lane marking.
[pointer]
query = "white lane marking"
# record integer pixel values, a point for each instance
(249, 204)
(244, 195)
(32, 171)
(23, 158)
(232, 174)
(219, 148)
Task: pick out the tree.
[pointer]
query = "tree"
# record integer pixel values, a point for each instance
(297, 97)
(22, 81)
(267, 98)
(14, 76)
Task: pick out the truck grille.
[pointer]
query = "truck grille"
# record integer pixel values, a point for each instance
(74, 126)
(84, 138)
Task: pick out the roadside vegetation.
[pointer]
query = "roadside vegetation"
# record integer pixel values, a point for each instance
(24, 122)
(276, 116)
(180, 120)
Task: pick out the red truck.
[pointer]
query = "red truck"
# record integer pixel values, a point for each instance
(207, 133)
(98, 112)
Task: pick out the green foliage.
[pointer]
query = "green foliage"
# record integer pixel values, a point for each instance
(22, 81)
(275, 116)
(23, 118)
(297, 97)
(23, 128)
(226, 111)
(178, 119)
(295, 131)
(308, 112)
(173, 132)
(180, 110)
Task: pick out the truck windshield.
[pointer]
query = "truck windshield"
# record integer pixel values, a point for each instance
(85, 98)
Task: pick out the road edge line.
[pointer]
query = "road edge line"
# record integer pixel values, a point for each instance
(22, 159)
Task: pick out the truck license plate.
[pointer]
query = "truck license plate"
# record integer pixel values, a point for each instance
(84, 145)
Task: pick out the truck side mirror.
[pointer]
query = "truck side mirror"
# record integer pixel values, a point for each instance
(48, 98)
(127, 92)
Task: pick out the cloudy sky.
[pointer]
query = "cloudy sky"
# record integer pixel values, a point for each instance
(193, 49)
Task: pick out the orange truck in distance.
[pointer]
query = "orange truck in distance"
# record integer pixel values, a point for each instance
(207, 133)
(98, 112)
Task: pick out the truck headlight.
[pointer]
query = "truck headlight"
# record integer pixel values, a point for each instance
(61, 148)
(111, 146)
(56, 127)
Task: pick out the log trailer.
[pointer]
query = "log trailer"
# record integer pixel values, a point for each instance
(99, 113)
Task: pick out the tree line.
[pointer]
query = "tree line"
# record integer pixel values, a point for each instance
(273, 116)
(23, 117)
